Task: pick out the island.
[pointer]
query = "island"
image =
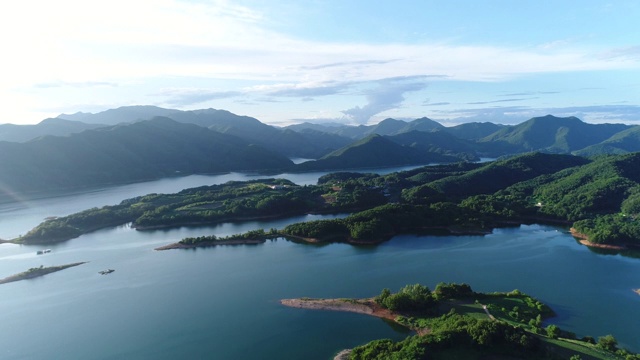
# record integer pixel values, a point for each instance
(37, 271)
(253, 237)
(455, 322)
(599, 198)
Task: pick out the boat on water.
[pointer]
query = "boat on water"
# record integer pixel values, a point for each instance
(45, 251)
(105, 272)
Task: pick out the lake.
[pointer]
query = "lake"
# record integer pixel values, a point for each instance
(20, 216)
(222, 302)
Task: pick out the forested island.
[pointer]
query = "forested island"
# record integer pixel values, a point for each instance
(36, 272)
(455, 322)
(599, 198)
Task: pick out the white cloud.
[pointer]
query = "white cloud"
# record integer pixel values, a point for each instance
(77, 41)
(388, 94)
(185, 97)
(139, 41)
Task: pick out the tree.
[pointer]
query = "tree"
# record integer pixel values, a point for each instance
(553, 331)
(410, 298)
(608, 342)
(381, 299)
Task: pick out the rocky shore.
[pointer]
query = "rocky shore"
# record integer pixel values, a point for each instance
(343, 355)
(584, 240)
(360, 306)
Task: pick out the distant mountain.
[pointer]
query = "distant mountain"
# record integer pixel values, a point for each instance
(474, 130)
(301, 127)
(623, 142)
(283, 141)
(438, 142)
(422, 124)
(378, 151)
(124, 114)
(51, 126)
(322, 142)
(550, 134)
(385, 127)
(124, 153)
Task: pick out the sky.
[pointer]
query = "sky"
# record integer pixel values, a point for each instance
(344, 61)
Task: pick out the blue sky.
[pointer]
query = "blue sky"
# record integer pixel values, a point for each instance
(353, 62)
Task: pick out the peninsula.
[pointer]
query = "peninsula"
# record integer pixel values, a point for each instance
(459, 198)
(36, 272)
(360, 306)
(453, 321)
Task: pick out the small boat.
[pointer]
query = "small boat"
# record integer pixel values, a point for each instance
(39, 252)
(46, 251)
(105, 272)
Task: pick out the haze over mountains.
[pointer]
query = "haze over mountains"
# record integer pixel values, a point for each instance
(136, 143)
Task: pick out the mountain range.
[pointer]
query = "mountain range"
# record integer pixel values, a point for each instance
(136, 143)
(128, 152)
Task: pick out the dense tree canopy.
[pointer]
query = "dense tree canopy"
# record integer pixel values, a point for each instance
(601, 197)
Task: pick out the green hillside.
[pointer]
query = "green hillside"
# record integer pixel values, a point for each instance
(437, 142)
(55, 127)
(601, 197)
(125, 153)
(378, 151)
(623, 142)
(474, 130)
(550, 134)
(500, 174)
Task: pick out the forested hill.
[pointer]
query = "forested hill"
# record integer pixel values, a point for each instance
(55, 127)
(501, 174)
(283, 141)
(550, 134)
(623, 142)
(600, 197)
(125, 153)
(414, 148)
(547, 133)
(209, 140)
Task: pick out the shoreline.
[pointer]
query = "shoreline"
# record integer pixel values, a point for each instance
(326, 240)
(359, 306)
(37, 272)
(205, 244)
(584, 240)
(230, 219)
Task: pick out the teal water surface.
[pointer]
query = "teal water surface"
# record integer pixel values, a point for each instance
(223, 302)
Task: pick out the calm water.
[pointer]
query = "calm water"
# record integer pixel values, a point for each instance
(222, 303)
(20, 216)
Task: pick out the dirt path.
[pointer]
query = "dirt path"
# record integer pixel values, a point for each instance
(488, 313)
